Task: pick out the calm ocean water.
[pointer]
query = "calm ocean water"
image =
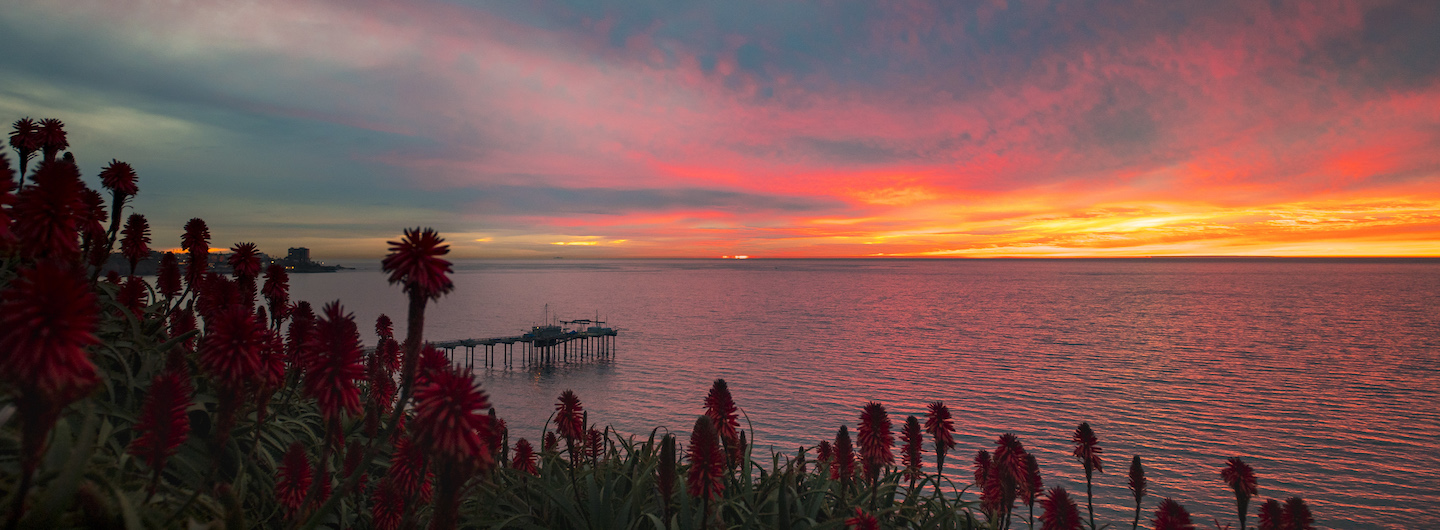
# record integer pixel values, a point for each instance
(1322, 374)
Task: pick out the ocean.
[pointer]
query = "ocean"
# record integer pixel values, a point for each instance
(1321, 373)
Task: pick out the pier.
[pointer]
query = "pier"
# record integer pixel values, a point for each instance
(572, 340)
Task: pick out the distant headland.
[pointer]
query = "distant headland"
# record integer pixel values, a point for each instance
(296, 260)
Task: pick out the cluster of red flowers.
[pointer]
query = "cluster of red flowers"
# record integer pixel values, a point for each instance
(724, 415)
(876, 440)
(294, 477)
(450, 419)
(569, 418)
(415, 262)
(706, 478)
(525, 458)
(334, 367)
(53, 233)
(1060, 511)
(914, 446)
(843, 466)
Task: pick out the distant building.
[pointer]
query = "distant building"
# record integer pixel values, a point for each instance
(297, 259)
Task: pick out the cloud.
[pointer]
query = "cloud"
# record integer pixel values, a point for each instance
(800, 128)
(528, 200)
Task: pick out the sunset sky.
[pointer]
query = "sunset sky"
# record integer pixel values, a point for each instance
(773, 129)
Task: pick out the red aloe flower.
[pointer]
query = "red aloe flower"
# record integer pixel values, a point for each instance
(384, 329)
(844, 467)
(914, 446)
(332, 375)
(988, 472)
(245, 263)
(594, 445)
(230, 351)
(1010, 469)
(1137, 485)
(410, 469)
(388, 506)
(293, 478)
(92, 226)
(277, 291)
(135, 245)
(1032, 486)
(432, 360)
(380, 402)
(354, 455)
(1241, 479)
(1137, 478)
(297, 340)
(1296, 515)
(415, 262)
(7, 197)
(862, 521)
(982, 467)
(1060, 511)
(824, 455)
(1170, 515)
(721, 409)
(525, 461)
(1087, 449)
(132, 295)
(48, 317)
(167, 278)
(245, 260)
(665, 474)
(568, 418)
(272, 371)
(119, 177)
(181, 322)
(217, 293)
(388, 352)
(706, 479)
(272, 358)
(231, 354)
(449, 419)
(941, 429)
(163, 425)
(196, 241)
(1271, 515)
(25, 138)
(48, 215)
(52, 138)
(876, 440)
(551, 443)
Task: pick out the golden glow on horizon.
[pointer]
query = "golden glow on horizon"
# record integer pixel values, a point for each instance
(588, 243)
(1377, 227)
(1026, 225)
(177, 250)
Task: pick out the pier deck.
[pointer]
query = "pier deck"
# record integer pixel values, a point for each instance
(543, 344)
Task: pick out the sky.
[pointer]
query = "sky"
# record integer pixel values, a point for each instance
(677, 128)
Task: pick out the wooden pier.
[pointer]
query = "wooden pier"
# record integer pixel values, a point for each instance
(576, 340)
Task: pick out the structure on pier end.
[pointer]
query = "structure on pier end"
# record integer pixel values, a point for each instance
(571, 340)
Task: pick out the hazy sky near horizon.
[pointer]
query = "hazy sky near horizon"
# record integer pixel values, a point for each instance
(585, 128)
